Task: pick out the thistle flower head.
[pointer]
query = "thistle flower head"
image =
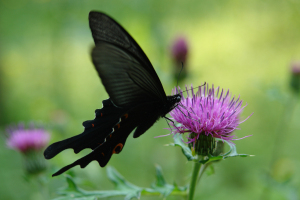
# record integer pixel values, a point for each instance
(24, 140)
(29, 142)
(209, 112)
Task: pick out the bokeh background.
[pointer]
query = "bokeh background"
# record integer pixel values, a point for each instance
(46, 75)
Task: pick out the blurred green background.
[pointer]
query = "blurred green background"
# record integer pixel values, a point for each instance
(46, 75)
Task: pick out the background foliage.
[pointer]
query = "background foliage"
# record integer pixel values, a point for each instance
(46, 75)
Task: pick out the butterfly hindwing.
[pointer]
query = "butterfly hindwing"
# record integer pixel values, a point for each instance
(114, 142)
(94, 133)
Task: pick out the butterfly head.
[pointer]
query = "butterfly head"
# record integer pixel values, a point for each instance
(172, 102)
(177, 98)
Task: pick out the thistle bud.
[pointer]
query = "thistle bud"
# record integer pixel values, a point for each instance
(180, 50)
(295, 77)
(179, 53)
(204, 145)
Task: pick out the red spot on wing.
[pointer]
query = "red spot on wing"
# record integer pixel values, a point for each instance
(93, 125)
(118, 148)
(117, 126)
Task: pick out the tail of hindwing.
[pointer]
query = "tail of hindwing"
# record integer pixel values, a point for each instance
(105, 135)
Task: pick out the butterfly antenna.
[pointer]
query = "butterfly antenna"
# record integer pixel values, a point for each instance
(195, 87)
(166, 118)
(169, 119)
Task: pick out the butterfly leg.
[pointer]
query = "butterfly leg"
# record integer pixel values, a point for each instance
(169, 119)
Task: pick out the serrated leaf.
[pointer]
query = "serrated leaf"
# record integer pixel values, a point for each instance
(178, 188)
(71, 184)
(231, 153)
(185, 150)
(119, 181)
(128, 190)
(160, 184)
(160, 180)
(123, 188)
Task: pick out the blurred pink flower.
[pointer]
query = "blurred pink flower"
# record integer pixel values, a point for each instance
(295, 68)
(207, 113)
(295, 76)
(180, 49)
(22, 139)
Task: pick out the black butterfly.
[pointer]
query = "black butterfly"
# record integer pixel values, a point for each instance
(137, 98)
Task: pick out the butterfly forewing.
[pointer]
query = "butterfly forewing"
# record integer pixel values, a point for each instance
(126, 82)
(105, 29)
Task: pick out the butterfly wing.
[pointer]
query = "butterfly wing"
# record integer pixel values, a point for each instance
(95, 131)
(124, 78)
(105, 142)
(113, 142)
(112, 41)
(105, 29)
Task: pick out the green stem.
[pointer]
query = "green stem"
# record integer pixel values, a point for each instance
(193, 183)
(42, 186)
(202, 169)
(282, 128)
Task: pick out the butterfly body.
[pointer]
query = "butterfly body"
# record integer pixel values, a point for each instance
(137, 98)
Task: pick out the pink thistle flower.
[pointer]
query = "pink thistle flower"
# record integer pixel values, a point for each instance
(208, 112)
(24, 140)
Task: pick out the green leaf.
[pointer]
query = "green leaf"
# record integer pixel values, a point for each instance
(160, 180)
(185, 150)
(119, 181)
(73, 191)
(122, 188)
(160, 184)
(210, 170)
(231, 153)
(123, 185)
(179, 189)
(211, 158)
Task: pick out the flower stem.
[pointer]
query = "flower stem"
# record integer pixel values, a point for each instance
(285, 119)
(202, 169)
(193, 183)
